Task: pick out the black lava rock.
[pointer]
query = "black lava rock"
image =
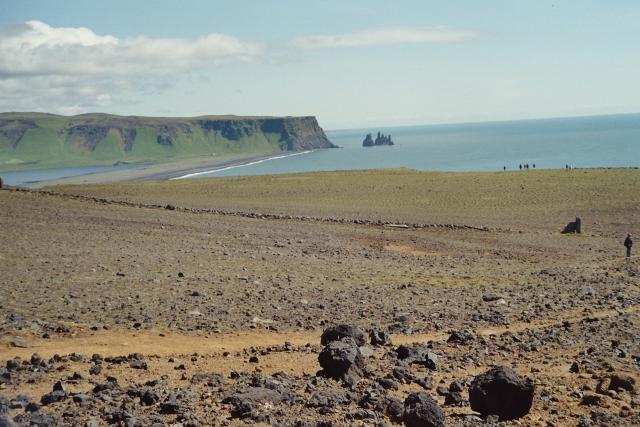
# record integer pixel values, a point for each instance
(338, 332)
(54, 396)
(379, 338)
(149, 397)
(342, 360)
(420, 410)
(417, 354)
(502, 392)
(461, 337)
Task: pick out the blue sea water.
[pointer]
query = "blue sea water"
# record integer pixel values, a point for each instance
(583, 142)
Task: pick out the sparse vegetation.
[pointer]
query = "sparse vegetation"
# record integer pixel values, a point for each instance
(35, 140)
(511, 199)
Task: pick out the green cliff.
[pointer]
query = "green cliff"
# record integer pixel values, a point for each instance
(37, 140)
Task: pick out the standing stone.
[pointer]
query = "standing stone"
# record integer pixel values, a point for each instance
(420, 410)
(502, 392)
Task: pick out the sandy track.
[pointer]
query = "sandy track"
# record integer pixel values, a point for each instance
(166, 343)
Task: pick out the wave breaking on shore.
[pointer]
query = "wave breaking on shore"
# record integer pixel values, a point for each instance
(255, 162)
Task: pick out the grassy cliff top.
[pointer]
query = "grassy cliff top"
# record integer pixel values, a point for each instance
(41, 140)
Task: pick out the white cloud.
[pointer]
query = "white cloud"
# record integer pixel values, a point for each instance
(69, 70)
(35, 48)
(386, 36)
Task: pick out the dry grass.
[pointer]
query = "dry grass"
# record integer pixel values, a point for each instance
(535, 198)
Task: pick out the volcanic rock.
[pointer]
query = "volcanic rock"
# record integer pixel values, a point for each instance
(342, 360)
(420, 410)
(461, 337)
(622, 381)
(338, 332)
(379, 338)
(502, 392)
(417, 354)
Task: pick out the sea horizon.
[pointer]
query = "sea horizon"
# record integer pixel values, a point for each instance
(595, 141)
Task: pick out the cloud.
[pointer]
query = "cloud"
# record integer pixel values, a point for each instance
(35, 48)
(386, 36)
(76, 69)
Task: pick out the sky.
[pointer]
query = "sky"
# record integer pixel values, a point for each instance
(349, 63)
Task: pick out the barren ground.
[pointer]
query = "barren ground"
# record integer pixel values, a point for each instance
(209, 291)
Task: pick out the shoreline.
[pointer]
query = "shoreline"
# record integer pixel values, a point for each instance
(160, 171)
(234, 166)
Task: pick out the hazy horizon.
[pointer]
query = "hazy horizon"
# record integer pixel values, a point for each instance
(326, 129)
(351, 64)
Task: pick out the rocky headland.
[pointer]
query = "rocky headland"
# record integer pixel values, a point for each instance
(37, 140)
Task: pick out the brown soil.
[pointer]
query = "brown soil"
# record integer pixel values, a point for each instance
(210, 291)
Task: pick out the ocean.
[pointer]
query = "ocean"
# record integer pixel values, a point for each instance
(581, 142)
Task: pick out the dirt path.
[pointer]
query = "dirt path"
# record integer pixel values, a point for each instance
(164, 343)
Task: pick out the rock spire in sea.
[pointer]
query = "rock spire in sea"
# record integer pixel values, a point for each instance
(381, 139)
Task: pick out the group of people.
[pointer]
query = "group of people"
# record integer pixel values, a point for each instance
(522, 166)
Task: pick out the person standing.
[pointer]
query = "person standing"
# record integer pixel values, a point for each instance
(628, 243)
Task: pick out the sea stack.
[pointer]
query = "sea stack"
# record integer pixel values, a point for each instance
(381, 139)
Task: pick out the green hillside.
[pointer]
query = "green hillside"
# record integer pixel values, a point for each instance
(37, 140)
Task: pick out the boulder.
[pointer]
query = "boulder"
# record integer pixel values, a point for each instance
(417, 354)
(379, 338)
(421, 410)
(461, 337)
(246, 402)
(573, 227)
(502, 392)
(54, 396)
(171, 405)
(338, 332)
(342, 360)
(622, 381)
(149, 397)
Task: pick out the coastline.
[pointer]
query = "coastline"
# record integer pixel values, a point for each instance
(233, 166)
(163, 171)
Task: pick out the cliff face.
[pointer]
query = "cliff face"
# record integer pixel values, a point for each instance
(100, 138)
(295, 133)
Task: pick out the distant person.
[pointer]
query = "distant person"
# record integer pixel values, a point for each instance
(534, 165)
(520, 167)
(504, 168)
(628, 243)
